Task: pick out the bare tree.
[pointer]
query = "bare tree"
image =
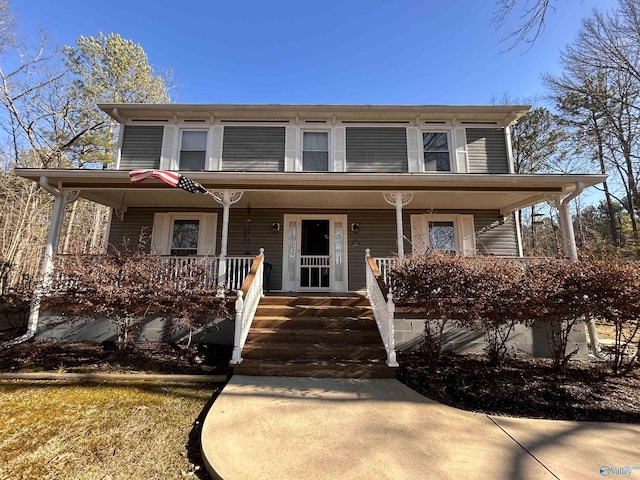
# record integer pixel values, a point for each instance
(532, 16)
(598, 93)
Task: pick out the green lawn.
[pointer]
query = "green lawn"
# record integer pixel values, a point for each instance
(54, 430)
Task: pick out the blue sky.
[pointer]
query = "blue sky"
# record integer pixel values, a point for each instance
(348, 51)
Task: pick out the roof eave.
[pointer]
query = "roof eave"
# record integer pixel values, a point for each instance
(505, 114)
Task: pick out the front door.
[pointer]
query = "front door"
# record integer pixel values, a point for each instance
(315, 262)
(315, 253)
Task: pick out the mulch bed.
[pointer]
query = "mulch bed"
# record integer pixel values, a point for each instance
(526, 387)
(522, 387)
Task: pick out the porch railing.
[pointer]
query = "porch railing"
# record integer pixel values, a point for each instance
(176, 267)
(238, 267)
(381, 301)
(247, 301)
(383, 264)
(207, 267)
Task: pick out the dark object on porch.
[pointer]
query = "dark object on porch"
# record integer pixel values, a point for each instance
(267, 275)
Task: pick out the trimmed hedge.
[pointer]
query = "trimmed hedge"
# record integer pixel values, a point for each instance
(502, 293)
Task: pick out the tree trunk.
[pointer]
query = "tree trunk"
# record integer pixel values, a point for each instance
(631, 196)
(69, 232)
(97, 230)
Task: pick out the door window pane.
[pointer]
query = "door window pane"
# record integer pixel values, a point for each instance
(436, 152)
(315, 237)
(193, 150)
(338, 246)
(293, 249)
(184, 240)
(315, 151)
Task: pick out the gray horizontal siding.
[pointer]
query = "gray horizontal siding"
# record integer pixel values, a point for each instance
(253, 149)
(495, 236)
(247, 238)
(487, 151)
(141, 147)
(377, 150)
(378, 233)
(133, 233)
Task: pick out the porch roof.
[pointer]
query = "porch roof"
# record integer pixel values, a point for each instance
(505, 192)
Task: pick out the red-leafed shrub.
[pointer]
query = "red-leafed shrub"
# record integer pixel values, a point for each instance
(125, 288)
(441, 286)
(614, 297)
(450, 289)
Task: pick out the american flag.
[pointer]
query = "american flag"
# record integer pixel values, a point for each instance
(172, 178)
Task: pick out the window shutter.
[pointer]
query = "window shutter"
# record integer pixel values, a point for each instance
(340, 150)
(459, 158)
(418, 235)
(215, 158)
(291, 150)
(167, 156)
(207, 237)
(160, 234)
(468, 235)
(413, 149)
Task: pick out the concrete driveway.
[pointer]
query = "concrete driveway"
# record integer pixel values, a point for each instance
(304, 428)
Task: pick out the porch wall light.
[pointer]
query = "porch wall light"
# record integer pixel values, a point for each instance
(275, 226)
(355, 227)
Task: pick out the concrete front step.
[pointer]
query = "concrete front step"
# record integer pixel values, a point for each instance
(313, 335)
(316, 369)
(325, 323)
(310, 351)
(312, 311)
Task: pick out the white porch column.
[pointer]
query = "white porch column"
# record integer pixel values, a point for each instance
(566, 223)
(399, 199)
(566, 227)
(226, 199)
(46, 265)
(571, 251)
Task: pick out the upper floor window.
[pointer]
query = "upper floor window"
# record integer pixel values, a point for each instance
(436, 152)
(193, 149)
(184, 237)
(315, 151)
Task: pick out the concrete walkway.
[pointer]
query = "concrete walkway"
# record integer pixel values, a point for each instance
(303, 428)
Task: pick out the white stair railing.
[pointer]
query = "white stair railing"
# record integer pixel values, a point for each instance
(383, 307)
(247, 301)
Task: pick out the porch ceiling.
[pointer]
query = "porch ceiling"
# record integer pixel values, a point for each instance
(320, 190)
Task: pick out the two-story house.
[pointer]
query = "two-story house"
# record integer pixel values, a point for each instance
(315, 186)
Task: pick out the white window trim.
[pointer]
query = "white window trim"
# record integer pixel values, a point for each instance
(450, 145)
(162, 233)
(331, 158)
(464, 231)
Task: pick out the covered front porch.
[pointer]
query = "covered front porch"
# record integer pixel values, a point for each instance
(314, 228)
